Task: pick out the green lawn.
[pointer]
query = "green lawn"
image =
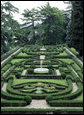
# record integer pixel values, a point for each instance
(19, 81)
(63, 54)
(22, 54)
(17, 61)
(68, 61)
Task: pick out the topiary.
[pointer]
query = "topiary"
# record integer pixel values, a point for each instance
(28, 99)
(63, 75)
(30, 71)
(48, 98)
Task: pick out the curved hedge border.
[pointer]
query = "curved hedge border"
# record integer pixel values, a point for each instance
(8, 96)
(66, 91)
(70, 96)
(34, 96)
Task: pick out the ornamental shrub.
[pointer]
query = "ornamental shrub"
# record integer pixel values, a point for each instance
(63, 75)
(30, 71)
(28, 99)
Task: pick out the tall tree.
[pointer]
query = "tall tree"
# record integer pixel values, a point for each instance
(77, 26)
(8, 26)
(53, 21)
(30, 16)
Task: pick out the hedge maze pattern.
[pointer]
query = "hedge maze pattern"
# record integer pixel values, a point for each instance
(23, 85)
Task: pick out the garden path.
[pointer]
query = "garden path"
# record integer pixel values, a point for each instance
(75, 72)
(6, 72)
(74, 87)
(74, 55)
(4, 86)
(58, 72)
(9, 56)
(24, 72)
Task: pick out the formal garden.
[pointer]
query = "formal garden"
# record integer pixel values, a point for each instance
(61, 86)
(41, 57)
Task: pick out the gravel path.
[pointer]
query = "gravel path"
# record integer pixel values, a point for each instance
(4, 86)
(74, 87)
(75, 72)
(24, 72)
(6, 71)
(9, 56)
(74, 55)
(58, 72)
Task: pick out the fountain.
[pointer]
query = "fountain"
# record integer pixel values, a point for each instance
(43, 49)
(41, 70)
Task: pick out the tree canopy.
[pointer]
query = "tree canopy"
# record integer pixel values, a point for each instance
(44, 25)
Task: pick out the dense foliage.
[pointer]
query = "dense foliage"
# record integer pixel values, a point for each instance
(76, 26)
(44, 25)
(52, 29)
(8, 26)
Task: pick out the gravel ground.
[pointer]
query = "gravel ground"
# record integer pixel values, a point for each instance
(74, 87)
(4, 87)
(58, 72)
(24, 72)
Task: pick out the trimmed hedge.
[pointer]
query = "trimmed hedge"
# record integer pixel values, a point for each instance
(40, 111)
(8, 96)
(6, 67)
(66, 103)
(6, 62)
(65, 92)
(14, 92)
(11, 103)
(6, 76)
(41, 76)
(70, 96)
(78, 63)
(9, 53)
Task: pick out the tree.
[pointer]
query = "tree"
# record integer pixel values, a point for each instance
(8, 26)
(30, 16)
(76, 29)
(53, 21)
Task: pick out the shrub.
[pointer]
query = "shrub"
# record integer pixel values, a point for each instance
(15, 103)
(28, 99)
(30, 71)
(64, 103)
(18, 75)
(63, 75)
(40, 111)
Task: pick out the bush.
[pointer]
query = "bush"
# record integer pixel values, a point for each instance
(63, 75)
(18, 75)
(30, 71)
(28, 99)
(58, 94)
(15, 103)
(40, 111)
(64, 103)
